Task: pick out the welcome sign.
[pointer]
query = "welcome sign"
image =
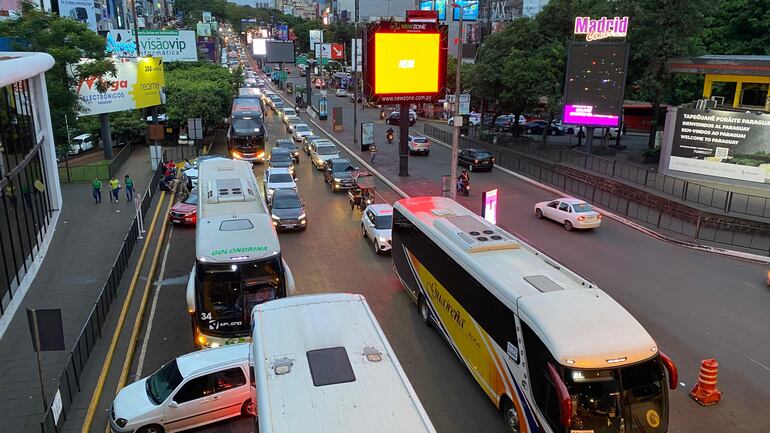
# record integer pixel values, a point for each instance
(601, 28)
(170, 45)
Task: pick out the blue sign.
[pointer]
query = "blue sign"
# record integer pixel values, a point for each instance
(322, 108)
(120, 44)
(437, 5)
(470, 10)
(282, 32)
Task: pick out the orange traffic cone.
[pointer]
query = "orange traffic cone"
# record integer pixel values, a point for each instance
(705, 391)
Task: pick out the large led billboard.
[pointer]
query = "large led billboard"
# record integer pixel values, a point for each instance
(406, 61)
(279, 51)
(259, 46)
(727, 144)
(594, 83)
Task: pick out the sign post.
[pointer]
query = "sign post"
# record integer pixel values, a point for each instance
(367, 135)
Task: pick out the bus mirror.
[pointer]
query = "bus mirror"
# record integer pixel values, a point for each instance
(290, 288)
(565, 403)
(190, 295)
(673, 374)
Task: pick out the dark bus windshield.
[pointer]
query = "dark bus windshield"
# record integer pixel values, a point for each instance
(248, 126)
(630, 399)
(226, 293)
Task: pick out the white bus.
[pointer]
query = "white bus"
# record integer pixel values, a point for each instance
(238, 258)
(551, 350)
(323, 364)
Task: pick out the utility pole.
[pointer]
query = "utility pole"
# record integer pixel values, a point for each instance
(457, 119)
(356, 75)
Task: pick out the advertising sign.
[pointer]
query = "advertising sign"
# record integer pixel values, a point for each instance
(594, 83)
(422, 16)
(322, 108)
(406, 62)
(358, 50)
(259, 46)
(282, 32)
(326, 51)
(279, 51)
(137, 84)
(470, 10)
(316, 37)
(367, 133)
(81, 10)
(338, 51)
(203, 29)
(206, 16)
(171, 45)
(489, 206)
(435, 5)
(601, 28)
(727, 144)
(208, 49)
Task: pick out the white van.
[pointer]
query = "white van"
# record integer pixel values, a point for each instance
(323, 364)
(81, 143)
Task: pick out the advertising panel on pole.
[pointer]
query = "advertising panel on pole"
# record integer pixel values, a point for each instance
(338, 51)
(282, 32)
(81, 10)
(316, 37)
(358, 51)
(422, 16)
(470, 10)
(406, 62)
(208, 49)
(367, 133)
(137, 84)
(721, 143)
(489, 205)
(206, 16)
(594, 83)
(203, 29)
(279, 51)
(435, 5)
(259, 46)
(326, 51)
(171, 45)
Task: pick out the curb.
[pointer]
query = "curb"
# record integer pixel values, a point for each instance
(635, 226)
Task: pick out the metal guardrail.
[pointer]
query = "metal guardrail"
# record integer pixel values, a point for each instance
(692, 226)
(725, 201)
(69, 380)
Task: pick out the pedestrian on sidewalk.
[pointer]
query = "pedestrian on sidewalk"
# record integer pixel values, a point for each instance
(115, 188)
(372, 152)
(96, 186)
(129, 184)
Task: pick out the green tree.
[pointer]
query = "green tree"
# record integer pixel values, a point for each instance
(199, 90)
(68, 41)
(738, 27)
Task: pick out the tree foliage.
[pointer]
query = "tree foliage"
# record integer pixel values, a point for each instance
(198, 90)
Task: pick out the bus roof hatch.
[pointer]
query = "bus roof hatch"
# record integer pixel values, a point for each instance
(474, 235)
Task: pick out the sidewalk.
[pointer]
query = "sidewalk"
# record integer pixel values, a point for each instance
(86, 241)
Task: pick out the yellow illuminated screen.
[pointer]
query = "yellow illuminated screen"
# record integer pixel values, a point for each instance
(406, 63)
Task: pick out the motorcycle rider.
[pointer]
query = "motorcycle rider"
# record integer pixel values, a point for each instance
(463, 180)
(389, 135)
(372, 152)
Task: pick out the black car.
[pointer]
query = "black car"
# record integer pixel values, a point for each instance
(339, 174)
(282, 158)
(394, 116)
(287, 143)
(287, 210)
(502, 123)
(536, 128)
(476, 159)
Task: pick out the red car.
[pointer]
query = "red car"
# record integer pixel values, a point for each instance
(184, 212)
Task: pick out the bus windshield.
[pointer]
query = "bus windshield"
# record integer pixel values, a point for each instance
(227, 292)
(628, 399)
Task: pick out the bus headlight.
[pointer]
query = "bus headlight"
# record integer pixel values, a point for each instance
(237, 155)
(202, 340)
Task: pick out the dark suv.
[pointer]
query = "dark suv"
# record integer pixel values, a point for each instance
(476, 159)
(340, 174)
(394, 116)
(291, 146)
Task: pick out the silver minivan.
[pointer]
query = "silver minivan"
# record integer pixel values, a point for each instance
(81, 143)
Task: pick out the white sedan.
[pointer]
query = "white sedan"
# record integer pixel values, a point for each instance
(571, 212)
(376, 225)
(300, 131)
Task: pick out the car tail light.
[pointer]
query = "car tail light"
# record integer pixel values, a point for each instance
(493, 159)
(475, 161)
(581, 218)
(598, 216)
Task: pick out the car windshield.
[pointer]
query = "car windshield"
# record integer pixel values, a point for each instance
(420, 139)
(286, 144)
(326, 150)
(289, 112)
(582, 207)
(286, 201)
(384, 222)
(163, 382)
(280, 157)
(342, 167)
(483, 154)
(280, 178)
(192, 198)
(295, 120)
(302, 128)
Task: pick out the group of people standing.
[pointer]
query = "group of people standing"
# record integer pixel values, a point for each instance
(114, 186)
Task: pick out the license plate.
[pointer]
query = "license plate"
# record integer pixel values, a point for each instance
(289, 226)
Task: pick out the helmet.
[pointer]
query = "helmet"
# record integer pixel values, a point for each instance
(465, 171)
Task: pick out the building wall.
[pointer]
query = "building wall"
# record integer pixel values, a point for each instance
(379, 8)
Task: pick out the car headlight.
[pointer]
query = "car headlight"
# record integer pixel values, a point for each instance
(275, 217)
(302, 216)
(336, 180)
(121, 422)
(382, 239)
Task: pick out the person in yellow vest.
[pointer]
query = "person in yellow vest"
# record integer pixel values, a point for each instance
(114, 184)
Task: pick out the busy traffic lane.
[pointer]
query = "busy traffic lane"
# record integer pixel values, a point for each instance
(331, 256)
(687, 299)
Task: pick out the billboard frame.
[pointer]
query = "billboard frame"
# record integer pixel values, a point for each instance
(622, 88)
(390, 27)
(269, 42)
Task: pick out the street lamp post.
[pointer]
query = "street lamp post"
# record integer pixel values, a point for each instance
(457, 119)
(356, 73)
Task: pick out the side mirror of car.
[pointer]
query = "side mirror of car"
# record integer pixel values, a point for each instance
(172, 404)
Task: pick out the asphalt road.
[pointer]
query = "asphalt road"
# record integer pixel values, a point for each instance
(697, 305)
(331, 256)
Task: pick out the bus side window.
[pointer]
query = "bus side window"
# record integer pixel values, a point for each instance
(543, 390)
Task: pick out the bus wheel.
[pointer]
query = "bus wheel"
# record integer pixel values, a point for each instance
(510, 415)
(422, 305)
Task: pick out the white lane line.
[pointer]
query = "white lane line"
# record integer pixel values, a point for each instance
(757, 362)
(146, 339)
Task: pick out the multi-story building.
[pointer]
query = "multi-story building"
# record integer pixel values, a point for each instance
(29, 180)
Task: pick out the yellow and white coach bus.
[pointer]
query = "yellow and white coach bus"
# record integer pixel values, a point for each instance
(551, 350)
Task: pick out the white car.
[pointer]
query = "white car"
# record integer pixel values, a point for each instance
(192, 390)
(418, 144)
(341, 92)
(277, 178)
(287, 113)
(81, 143)
(300, 131)
(376, 225)
(322, 152)
(571, 212)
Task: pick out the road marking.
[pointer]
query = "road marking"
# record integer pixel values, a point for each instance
(119, 328)
(146, 339)
(757, 362)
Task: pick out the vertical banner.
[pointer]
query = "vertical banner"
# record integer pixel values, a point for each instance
(357, 51)
(367, 133)
(489, 205)
(316, 37)
(322, 108)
